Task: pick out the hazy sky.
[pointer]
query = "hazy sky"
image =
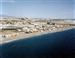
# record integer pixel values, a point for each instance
(38, 8)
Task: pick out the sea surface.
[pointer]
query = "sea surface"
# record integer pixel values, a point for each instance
(51, 45)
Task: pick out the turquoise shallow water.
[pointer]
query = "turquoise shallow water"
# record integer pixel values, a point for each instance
(51, 45)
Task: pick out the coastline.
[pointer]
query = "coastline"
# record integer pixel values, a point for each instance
(33, 35)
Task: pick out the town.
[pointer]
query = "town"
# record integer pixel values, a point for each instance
(12, 28)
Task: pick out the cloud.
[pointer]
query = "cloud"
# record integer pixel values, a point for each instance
(7, 1)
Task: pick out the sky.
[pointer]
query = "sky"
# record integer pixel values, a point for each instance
(60, 9)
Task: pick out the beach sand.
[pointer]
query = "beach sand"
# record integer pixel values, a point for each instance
(23, 35)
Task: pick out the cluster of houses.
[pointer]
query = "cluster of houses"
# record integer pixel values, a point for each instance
(31, 26)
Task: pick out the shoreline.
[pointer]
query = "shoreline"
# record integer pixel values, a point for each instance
(32, 35)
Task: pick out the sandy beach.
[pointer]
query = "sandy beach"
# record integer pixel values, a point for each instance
(25, 36)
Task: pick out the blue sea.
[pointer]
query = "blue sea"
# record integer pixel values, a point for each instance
(51, 45)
